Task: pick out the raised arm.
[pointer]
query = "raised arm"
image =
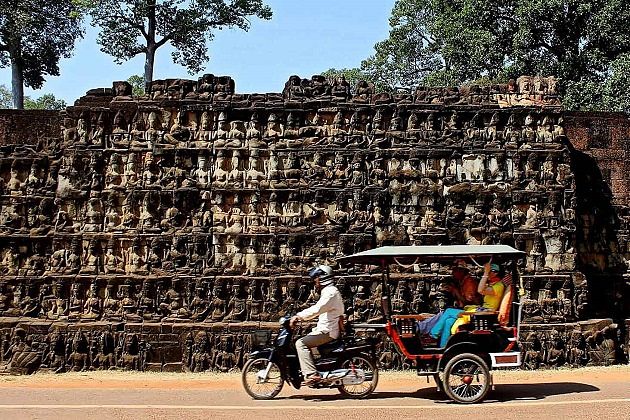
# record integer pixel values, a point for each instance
(483, 287)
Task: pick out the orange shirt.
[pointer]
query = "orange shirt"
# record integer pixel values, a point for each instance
(468, 290)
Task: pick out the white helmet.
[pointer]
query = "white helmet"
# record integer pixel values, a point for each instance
(324, 272)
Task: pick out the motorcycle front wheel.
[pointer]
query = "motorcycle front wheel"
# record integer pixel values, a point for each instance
(256, 385)
(370, 380)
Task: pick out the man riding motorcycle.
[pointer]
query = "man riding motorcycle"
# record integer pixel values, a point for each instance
(329, 308)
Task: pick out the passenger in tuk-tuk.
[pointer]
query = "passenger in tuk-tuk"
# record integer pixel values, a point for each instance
(463, 290)
(490, 286)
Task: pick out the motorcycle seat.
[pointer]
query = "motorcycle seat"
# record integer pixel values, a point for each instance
(331, 346)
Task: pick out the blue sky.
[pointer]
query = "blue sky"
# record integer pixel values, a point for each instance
(305, 37)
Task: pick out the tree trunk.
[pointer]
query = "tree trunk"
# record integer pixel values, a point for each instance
(148, 67)
(151, 47)
(17, 82)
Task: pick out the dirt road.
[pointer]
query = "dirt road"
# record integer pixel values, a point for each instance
(597, 393)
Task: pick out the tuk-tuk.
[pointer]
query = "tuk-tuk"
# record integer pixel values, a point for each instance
(489, 341)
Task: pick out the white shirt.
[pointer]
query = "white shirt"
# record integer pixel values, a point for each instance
(329, 307)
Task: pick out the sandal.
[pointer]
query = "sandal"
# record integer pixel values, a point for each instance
(313, 379)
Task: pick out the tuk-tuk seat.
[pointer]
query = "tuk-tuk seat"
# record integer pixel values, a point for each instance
(461, 314)
(406, 324)
(505, 307)
(417, 317)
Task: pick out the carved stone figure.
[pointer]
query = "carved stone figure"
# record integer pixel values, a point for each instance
(275, 129)
(93, 305)
(179, 134)
(253, 134)
(237, 306)
(19, 356)
(220, 175)
(218, 305)
(135, 262)
(154, 133)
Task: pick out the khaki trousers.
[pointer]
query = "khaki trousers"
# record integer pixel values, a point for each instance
(304, 345)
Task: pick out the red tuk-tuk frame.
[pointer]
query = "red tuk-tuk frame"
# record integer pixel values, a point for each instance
(462, 368)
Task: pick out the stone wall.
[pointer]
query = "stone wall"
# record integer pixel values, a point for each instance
(601, 148)
(155, 233)
(30, 127)
(606, 138)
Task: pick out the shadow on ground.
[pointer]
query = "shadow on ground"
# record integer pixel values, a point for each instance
(516, 392)
(502, 393)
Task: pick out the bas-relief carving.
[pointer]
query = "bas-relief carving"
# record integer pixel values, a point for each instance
(209, 210)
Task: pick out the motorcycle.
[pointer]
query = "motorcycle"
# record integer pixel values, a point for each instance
(347, 364)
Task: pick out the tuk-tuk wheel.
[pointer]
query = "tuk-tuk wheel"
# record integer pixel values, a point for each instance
(466, 378)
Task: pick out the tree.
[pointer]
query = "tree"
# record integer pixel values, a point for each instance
(34, 36)
(410, 53)
(46, 101)
(452, 42)
(133, 27)
(353, 76)
(609, 93)
(137, 83)
(616, 95)
(6, 99)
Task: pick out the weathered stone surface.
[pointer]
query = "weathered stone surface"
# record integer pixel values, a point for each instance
(29, 127)
(157, 233)
(594, 342)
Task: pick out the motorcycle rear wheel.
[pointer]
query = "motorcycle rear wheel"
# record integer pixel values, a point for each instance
(368, 386)
(256, 389)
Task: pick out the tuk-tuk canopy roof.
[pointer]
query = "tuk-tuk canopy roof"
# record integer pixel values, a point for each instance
(431, 253)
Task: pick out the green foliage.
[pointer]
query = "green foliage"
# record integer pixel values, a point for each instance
(46, 101)
(409, 54)
(582, 42)
(35, 34)
(6, 99)
(137, 83)
(609, 92)
(132, 27)
(353, 76)
(617, 86)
